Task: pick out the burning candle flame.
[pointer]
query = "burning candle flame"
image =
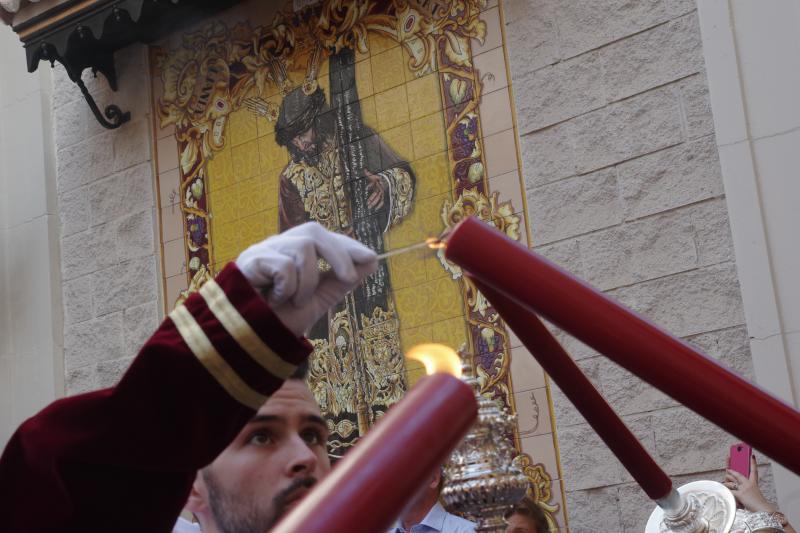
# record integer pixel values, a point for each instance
(436, 358)
(435, 243)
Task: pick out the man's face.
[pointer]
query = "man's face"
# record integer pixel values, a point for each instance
(305, 142)
(270, 465)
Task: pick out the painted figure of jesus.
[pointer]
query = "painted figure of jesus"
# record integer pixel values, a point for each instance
(312, 184)
(344, 176)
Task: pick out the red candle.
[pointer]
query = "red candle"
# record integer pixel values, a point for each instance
(370, 487)
(580, 391)
(664, 361)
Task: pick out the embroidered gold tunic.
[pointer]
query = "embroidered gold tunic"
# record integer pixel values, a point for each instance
(357, 368)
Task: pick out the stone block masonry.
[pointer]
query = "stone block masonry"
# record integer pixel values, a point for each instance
(107, 207)
(624, 189)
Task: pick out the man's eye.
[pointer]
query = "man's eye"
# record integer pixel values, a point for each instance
(312, 437)
(260, 438)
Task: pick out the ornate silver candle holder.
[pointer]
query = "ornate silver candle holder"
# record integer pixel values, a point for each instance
(482, 481)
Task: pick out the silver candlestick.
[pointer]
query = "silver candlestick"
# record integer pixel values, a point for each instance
(482, 480)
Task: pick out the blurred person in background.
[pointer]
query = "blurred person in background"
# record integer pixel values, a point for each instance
(526, 517)
(426, 515)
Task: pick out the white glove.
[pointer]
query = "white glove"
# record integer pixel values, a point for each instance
(285, 269)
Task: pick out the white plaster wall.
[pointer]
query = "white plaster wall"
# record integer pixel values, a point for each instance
(31, 371)
(752, 52)
(624, 189)
(106, 204)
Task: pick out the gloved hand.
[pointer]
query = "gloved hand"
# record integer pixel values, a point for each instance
(285, 269)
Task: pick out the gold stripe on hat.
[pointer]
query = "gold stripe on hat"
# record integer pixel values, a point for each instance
(238, 328)
(201, 347)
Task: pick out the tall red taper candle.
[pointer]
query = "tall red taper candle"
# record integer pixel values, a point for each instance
(580, 391)
(369, 488)
(664, 361)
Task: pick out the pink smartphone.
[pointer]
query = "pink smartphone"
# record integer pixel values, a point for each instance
(739, 459)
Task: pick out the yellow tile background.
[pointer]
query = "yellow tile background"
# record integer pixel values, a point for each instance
(436, 170)
(368, 112)
(400, 140)
(219, 173)
(252, 229)
(226, 242)
(408, 270)
(241, 127)
(452, 332)
(428, 134)
(392, 107)
(245, 160)
(423, 96)
(364, 83)
(251, 197)
(272, 157)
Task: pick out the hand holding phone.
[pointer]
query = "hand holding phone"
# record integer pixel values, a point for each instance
(741, 478)
(739, 459)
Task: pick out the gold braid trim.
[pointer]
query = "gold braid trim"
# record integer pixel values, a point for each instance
(201, 347)
(238, 328)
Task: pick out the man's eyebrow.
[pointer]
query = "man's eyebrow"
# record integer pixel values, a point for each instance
(317, 420)
(264, 419)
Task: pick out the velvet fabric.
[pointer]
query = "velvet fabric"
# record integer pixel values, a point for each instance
(124, 459)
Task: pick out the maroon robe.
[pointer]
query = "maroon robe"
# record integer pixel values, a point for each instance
(124, 459)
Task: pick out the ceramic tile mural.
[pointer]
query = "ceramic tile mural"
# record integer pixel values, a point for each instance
(385, 120)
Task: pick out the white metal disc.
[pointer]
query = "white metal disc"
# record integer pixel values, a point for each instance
(719, 508)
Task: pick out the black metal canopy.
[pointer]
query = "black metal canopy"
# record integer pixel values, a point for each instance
(83, 34)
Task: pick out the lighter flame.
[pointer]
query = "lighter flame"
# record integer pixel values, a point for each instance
(436, 358)
(434, 243)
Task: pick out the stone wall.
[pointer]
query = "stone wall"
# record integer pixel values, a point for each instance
(624, 189)
(31, 373)
(107, 207)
